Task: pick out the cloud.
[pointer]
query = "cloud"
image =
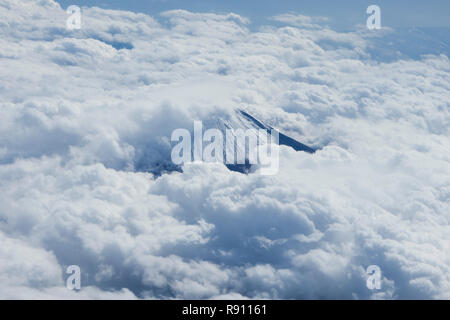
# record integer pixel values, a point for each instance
(87, 118)
(300, 20)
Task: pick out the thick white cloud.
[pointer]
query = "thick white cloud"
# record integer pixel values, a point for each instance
(87, 115)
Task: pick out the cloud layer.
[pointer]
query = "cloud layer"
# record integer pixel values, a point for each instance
(87, 114)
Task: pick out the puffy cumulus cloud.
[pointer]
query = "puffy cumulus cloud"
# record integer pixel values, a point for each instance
(87, 117)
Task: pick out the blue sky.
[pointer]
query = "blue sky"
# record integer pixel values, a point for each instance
(342, 14)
